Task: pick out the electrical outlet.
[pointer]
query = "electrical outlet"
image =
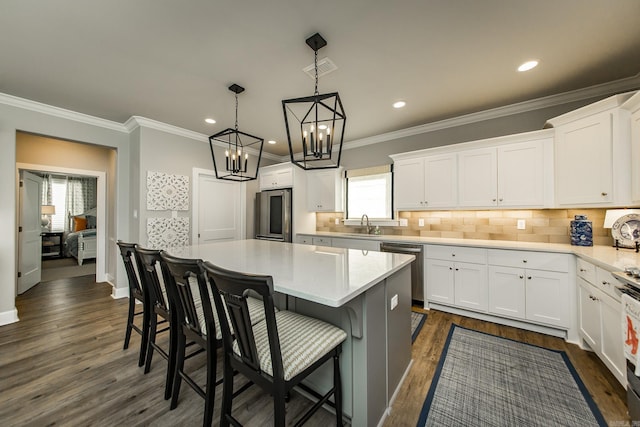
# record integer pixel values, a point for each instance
(521, 224)
(404, 222)
(337, 221)
(420, 222)
(394, 301)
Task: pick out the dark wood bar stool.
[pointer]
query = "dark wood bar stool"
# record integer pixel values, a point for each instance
(188, 291)
(277, 353)
(148, 261)
(136, 293)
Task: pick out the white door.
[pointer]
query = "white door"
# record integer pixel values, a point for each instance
(30, 241)
(219, 214)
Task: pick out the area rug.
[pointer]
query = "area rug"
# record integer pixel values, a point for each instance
(483, 379)
(417, 321)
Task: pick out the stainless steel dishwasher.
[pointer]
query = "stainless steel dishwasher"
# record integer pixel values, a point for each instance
(417, 266)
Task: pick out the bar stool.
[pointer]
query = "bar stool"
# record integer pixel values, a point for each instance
(136, 293)
(148, 260)
(277, 353)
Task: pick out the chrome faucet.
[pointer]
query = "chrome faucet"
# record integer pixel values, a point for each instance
(362, 222)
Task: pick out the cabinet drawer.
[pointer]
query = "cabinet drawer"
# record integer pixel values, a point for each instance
(321, 241)
(528, 259)
(457, 253)
(606, 282)
(586, 270)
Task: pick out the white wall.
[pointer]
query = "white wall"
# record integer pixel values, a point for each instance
(93, 131)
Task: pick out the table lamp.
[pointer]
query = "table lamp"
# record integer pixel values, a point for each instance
(47, 211)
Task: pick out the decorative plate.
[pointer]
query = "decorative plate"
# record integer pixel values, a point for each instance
(626, 230)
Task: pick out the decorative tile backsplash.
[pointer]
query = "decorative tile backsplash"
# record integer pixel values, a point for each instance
(541, 225)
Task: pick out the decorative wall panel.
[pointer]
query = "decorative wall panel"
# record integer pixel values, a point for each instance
(167, 192)
(164, 233)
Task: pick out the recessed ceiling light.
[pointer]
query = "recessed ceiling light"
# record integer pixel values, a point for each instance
(399, 104)
(210, 121)
(271, 141)
(528, 66)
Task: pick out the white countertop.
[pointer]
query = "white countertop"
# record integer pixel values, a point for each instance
(605, 256)
(329, 276)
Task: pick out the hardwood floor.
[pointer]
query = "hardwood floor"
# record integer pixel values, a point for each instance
(63, 364)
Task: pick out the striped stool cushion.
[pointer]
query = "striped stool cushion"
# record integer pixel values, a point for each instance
(303, 340)
(255, 306)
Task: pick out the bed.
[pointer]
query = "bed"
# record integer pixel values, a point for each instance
(81, 243)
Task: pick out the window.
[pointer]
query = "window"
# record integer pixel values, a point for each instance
(369, 192)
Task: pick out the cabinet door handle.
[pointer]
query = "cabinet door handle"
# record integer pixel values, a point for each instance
(528, 277)
(521, 276)
(493, 200)
(499, 200)
(604, 194)
(583, 270)
(605, 283)
(457, 269)
(453, 254)
(450, 268)
(524, 260)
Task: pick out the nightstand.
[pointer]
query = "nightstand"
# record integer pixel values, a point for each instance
(52, 244)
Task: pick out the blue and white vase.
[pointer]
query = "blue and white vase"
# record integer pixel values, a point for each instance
(581, 231)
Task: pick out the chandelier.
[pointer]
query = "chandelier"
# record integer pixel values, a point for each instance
(315, 124)
(237, 146)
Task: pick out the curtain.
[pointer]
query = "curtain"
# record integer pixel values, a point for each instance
(46, 190)
(81, 196)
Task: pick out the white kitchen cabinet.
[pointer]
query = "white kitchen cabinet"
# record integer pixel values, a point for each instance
(530, 285)
(633, 106)
(507, 292)
(521, 174)
(589, 320)
(425, 182)
(325, 190)
(510, 175)
(478, 177)
(276, 176)
(599, 317)
(592, 154)
(457, 276)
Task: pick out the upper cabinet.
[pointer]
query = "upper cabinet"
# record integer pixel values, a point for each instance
(509, 175)
(325, 190)
(633, 107)
(593, 154)
(276, 176)
(510, 171)
(425, 182)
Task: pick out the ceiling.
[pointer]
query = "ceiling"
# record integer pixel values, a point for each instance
(173, 61)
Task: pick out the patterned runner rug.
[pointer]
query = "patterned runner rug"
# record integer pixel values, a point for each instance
(417, 321)
(483, 379)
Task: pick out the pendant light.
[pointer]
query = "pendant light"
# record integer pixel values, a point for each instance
(233, 147)
(315, 124)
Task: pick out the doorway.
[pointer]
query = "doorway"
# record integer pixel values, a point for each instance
(101, 220)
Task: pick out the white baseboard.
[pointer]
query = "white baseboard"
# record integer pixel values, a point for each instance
(117, 293)
(387, 412)
(7, 317)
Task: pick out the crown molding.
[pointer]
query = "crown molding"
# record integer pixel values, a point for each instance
(633, 103)
(38, 107)
(135, 122)
(622, 85)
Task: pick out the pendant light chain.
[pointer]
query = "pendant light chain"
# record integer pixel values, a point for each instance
(316, 67)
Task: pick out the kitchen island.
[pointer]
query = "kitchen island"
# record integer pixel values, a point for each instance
(366, 293)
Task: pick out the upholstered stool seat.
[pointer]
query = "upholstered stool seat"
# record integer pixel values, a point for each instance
(303, 341)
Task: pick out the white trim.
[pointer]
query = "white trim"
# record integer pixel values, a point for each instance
(387, 412)
(594, 108)
(39, 107)
(101, 209)
(118, 293)
(135, 122)
(621, 85)
(633, 103)
(7, 317)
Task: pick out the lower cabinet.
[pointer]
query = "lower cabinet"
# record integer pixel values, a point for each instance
(599, 324)
(463, 284)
